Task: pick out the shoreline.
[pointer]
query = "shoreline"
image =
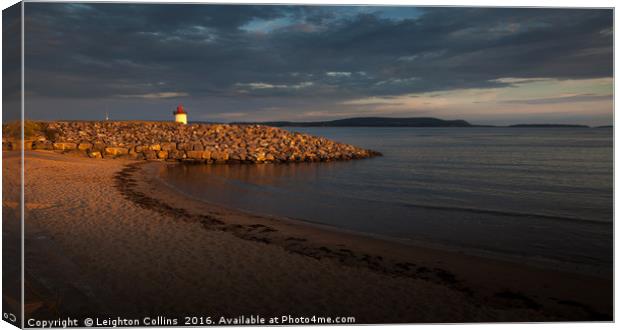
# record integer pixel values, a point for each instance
(540, 262)
(441, 286)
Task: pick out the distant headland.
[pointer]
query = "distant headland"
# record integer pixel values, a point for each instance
(372, 122)
(399, 122)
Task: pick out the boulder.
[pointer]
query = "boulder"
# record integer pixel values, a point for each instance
(260, 156)
(194, 154)
(197, 147)
(220, 156)
(168, 146)
(100, 146)
(141, 148)
(116, 151)
(42, 145)
(155, 147)
(64, 146)
(85, 146)
(162, 154)
(176, 154)
(184, 146)
(94, 154)
(28, 144)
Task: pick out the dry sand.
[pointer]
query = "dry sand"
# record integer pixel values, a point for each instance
(106, 237)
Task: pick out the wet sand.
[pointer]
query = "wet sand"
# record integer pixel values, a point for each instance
(108, 238)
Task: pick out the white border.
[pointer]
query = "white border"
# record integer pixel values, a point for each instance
(484, 3)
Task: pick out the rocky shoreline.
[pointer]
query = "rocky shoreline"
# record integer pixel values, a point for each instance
(202, 143)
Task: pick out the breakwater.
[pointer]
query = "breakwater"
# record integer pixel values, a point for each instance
(207, 143)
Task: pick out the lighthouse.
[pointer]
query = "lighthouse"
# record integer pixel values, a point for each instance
(180, 116)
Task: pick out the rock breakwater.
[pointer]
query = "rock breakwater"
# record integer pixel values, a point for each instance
(207, 143)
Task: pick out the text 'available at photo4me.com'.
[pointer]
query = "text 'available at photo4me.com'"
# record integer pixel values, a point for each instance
(147, 321)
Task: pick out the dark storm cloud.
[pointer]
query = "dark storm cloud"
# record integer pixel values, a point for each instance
(170, 51)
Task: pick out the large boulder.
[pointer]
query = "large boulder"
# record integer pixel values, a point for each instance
(220, 156)
(155, 147)
(184, 146)
(94, 154)
(194, 154)
(85, 146)
(168, 146)
(162, 154)
(116, 151)
(64, 146)
(42, 145)
(176, 154)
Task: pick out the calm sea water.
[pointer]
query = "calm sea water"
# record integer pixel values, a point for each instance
(540, 195)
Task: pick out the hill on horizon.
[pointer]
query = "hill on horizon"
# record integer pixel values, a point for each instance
(401, 122)
(371, 122)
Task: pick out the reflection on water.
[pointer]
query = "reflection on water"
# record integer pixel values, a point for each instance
(538, 194)
(260, 174)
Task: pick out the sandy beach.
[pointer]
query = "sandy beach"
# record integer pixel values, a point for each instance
(107, 237)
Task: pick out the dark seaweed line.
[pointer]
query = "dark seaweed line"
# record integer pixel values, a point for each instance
(269, 235)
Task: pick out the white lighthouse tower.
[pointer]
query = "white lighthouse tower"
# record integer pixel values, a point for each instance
(180, 116)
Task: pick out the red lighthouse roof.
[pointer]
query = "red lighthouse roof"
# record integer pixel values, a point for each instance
(179, 110)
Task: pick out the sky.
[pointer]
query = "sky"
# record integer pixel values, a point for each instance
(306, 63)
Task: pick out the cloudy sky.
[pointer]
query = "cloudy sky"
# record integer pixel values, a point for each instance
(253, 63)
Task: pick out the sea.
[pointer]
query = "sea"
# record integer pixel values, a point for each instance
(536, 195)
